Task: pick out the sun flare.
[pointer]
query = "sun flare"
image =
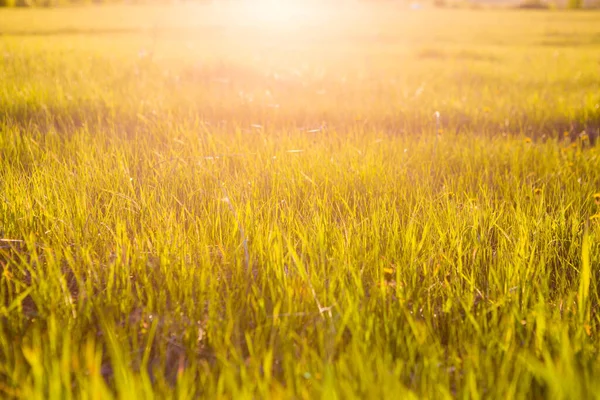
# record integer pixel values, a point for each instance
(269, 13)
(272, 12)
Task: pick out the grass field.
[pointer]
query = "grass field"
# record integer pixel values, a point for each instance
(218, 202)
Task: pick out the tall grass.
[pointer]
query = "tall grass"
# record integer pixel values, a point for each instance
(257, 218)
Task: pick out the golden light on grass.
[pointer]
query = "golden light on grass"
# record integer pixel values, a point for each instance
(224, 247)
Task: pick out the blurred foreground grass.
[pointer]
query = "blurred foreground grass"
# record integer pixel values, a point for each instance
(199, 201)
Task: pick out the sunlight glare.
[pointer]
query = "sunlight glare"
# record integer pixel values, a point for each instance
(270, 13)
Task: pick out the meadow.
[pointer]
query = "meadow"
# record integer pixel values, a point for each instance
(336, 202)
